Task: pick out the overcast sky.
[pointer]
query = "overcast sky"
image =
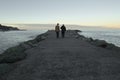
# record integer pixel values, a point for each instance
(83, 12)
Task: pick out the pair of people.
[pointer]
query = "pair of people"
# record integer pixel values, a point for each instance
(57, 30)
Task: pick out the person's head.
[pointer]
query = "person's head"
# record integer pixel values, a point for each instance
(57, 23)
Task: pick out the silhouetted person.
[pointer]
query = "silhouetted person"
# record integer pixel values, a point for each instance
(57, 30)
(63, 29)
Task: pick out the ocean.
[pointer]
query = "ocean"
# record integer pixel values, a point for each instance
(12, 38)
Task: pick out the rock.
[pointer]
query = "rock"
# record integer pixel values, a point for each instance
(78, 31)
(77, 36)
(90, 39)
(43, 37)
(104, 44)
(13, 54)
(4, 68)
(100, 43)
(7, 28)
(26, 46)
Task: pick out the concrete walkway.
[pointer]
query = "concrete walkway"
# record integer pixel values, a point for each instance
(67, 59)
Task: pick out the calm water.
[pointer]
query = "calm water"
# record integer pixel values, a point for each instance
(12, 38)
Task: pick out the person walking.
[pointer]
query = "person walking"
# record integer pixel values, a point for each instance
(57, 30)
(63, 29)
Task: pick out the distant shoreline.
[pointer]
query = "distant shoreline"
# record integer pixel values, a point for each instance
(8, 28)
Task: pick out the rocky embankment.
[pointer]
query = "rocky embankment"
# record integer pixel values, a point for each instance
(98, 43)
(17, 53)
(7, 28)
(54, 51)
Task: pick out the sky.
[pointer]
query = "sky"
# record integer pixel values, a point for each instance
(80, 12)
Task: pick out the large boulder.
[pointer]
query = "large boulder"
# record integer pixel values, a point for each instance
(104, 44)
(100, 43)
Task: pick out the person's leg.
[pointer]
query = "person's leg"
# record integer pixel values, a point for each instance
(57, 34)
(62, 34)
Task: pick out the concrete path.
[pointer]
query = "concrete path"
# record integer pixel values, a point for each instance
(67, 59)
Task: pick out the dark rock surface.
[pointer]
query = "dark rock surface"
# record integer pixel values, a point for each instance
(7, 28)
(17, 53)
